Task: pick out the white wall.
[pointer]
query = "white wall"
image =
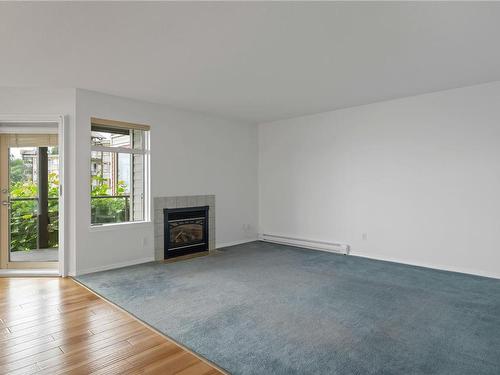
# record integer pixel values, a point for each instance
(29, 101)
(192, 154)
(420, 176)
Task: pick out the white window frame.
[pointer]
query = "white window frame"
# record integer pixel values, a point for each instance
(145, 151)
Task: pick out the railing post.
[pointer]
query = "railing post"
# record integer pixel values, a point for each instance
(127, 209)
(43, 198)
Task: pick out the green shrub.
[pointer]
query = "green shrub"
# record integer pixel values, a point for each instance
(108, 210)
(23, 214)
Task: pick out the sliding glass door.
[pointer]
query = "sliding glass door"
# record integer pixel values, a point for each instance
(29, 217)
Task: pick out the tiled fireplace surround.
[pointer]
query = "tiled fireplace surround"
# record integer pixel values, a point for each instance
(161, 203)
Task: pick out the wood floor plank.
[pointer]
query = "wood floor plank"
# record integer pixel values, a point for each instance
(9, 350)
(65, 362)
(26, 361)
(31, 321)
(62, 342)
(56, 326)
(30, 369)
(98, 340)
(95, 364)
(154, 355)
(171, 364)
(199, 368)
(92, 323)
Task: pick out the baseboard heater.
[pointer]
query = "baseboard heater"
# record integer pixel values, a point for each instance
(310, 244)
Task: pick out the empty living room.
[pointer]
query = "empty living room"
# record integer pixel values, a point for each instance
(250, 187)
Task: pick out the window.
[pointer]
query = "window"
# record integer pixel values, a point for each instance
(118, 172)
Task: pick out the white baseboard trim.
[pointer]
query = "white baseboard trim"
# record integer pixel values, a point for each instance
(345, 249)
(426, 265)
(29, 272)
(331, 247)
(114, 265)
(234, 243)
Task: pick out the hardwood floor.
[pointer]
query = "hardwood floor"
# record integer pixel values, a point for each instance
(56, 326)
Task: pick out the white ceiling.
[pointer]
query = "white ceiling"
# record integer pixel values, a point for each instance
(255, 61)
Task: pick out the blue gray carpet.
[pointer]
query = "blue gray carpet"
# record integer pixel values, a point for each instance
(261, 308)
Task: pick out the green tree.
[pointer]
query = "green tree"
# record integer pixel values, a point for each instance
(16, 172)
(23, 214)
(108, 210)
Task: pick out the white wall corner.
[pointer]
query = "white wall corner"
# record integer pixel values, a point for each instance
(234, 243)
(114, 266)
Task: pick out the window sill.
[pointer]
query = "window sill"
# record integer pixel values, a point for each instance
(114, 226)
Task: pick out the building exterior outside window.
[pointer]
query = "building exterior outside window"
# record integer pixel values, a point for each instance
(118, 182)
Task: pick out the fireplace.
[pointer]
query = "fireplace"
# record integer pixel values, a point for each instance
(185, 230)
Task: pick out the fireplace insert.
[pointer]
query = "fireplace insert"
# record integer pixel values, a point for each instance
(185, 230)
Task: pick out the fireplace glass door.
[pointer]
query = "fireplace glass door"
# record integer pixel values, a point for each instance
(185, 230)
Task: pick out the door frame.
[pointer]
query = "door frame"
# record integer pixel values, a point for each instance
(36, 120)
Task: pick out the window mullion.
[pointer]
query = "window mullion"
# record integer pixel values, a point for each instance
(121, 150)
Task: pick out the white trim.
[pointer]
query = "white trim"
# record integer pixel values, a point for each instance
(426, 265)
(148, 201)
(323, 246)
(234, 243)
(32, 118)
(60, 121)
(112, 226)
(332, 247)
(120, 150)
(28, 130)
(115, 265)
(63, 267)
(146, 152)
(28, 272)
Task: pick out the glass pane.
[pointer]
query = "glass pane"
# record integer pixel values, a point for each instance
(138, 187)
(109, 137)
(110, 187)
(123, 173)
(33, 214)
(186, 232)
(23, 191)
(138, 139)
(53, 197)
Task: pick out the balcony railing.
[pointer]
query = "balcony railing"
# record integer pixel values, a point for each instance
(24, 223)
(110, 209)
(24, 218)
